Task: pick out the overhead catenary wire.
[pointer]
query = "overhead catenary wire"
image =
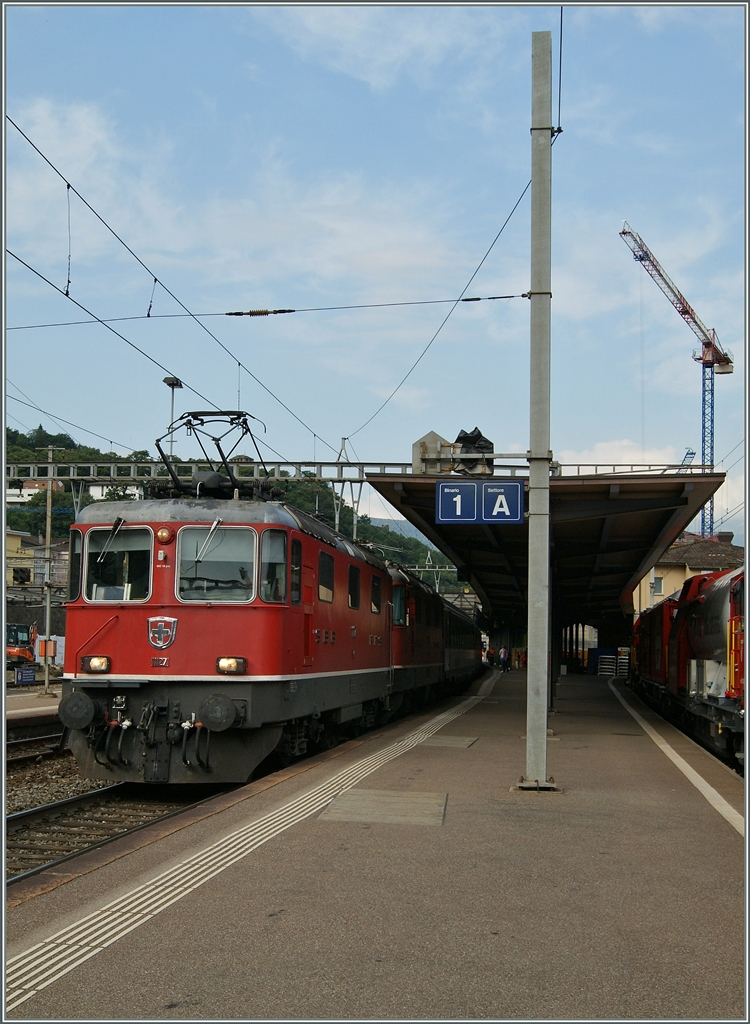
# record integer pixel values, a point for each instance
(424, 351)
(162, 285)
(117, 333)
(127, 342)
(60, 421)
(128, 448)
(731, 450)
(33, 405)
(731, 514)
(264, 312)
(15, 419)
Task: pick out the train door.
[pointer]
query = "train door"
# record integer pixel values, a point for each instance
(736, 642)
(308, 591)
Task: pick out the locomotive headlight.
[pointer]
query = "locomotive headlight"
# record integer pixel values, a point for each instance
(164, 535)
(95, 663)
(231, 666)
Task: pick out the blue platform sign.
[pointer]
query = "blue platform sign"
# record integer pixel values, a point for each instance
(496, 501)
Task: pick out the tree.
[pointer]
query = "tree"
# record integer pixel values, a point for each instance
(33, 517)
(22, 448)
(118, 492)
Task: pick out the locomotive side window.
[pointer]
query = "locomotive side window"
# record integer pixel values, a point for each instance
(354, 575)
(375, 600)
(325, 576)
(399, 606)
(296, 580)
(273, 566)
(216, 564)
(74, 565)
(118, 564)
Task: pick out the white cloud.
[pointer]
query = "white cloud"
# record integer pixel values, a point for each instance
(377, 44)
(127, 187)
(344, 236)
(623, 452)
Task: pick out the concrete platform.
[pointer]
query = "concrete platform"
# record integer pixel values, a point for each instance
(299, 898)
(32, 704)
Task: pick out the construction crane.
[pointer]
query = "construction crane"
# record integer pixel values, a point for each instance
(710, 355)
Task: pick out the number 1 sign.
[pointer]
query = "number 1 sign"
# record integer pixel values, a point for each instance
(496, 501)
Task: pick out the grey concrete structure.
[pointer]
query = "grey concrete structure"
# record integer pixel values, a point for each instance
(540, 456)
(618, 898)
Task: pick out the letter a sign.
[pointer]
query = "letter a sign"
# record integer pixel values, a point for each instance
(501, 506)
(499, 501)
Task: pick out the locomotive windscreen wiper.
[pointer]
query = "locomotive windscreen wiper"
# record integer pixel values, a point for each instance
(112, 534)
(214, 527)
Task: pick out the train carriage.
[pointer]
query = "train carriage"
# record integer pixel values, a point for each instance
(690, 659)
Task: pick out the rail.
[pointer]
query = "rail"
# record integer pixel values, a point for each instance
(45, 836)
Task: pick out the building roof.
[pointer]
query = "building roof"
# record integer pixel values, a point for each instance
(713, 553)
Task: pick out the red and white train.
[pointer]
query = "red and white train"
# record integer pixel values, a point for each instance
(689, 659)
(203, 633)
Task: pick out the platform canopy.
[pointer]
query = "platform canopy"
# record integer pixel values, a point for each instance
(607, 531)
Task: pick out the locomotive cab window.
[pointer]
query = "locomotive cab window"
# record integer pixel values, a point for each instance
(375, 598)
(399, 606)
(325, 576)
(216, 563)
(118, 564)
(273, 566)
(296, 573)
(74, 565)
(354, 576)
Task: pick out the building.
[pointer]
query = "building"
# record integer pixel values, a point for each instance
(19, 558)
(690, 556)
(99, 491)
(25, 563)
(16, 497)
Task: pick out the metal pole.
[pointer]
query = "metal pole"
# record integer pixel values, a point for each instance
(171, 421)
(48, 573)
(539, 455)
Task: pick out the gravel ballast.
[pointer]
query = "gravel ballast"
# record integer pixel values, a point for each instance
(31, 785)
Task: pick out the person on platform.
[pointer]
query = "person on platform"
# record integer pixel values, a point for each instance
(503, 659)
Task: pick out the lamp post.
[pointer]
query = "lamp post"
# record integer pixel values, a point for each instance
(172, 383)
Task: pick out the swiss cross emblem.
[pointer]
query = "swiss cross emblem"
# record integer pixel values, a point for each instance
(161, 631)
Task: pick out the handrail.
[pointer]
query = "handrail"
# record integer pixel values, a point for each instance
(134, 473)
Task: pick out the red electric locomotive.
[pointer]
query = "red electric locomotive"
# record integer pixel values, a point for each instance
(204, 632)
(690, 659)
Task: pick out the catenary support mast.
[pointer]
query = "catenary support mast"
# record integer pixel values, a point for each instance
(539, 455)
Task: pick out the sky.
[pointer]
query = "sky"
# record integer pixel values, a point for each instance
(301, 157)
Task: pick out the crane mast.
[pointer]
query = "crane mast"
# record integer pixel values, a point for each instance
(711, 356)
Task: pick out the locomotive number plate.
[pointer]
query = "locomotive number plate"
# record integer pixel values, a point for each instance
(160, 663)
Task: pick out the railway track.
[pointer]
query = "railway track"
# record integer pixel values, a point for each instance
(50, 834)
(45, 836)
(33, 748)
